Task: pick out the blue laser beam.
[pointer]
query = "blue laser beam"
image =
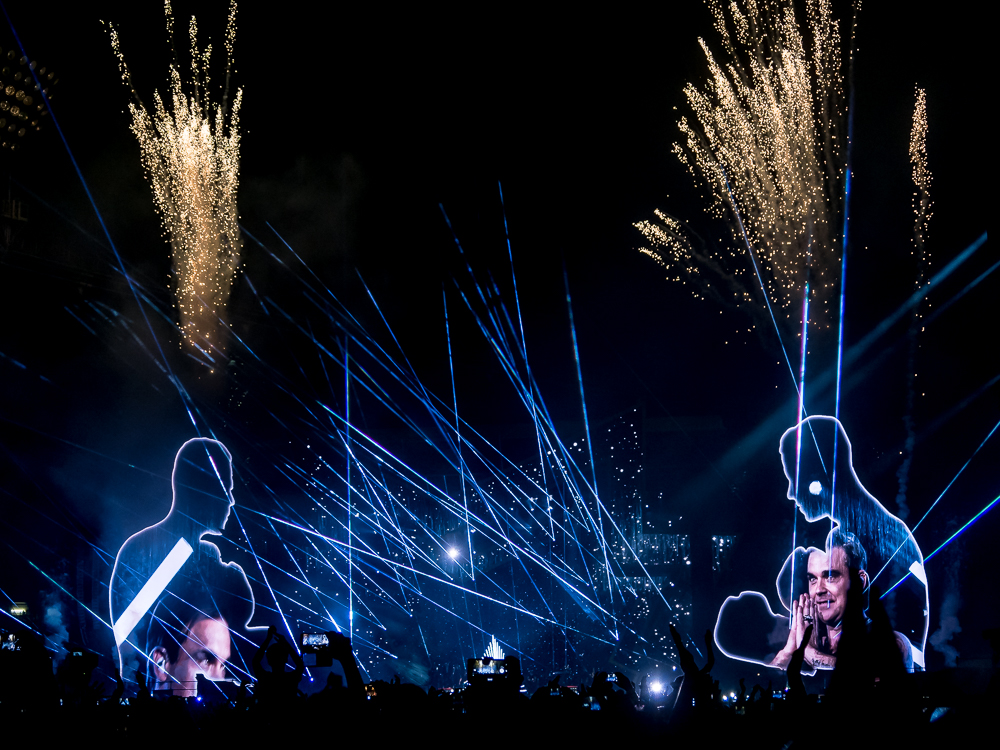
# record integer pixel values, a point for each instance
(936, 501)
(948, 541)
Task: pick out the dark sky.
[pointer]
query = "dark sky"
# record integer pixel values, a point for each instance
(358, 123)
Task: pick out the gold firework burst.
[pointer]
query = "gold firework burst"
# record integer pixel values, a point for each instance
(191, 154)
(922, 204)
(766, 147)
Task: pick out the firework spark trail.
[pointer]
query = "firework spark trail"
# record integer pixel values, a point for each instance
(760, 280)
(843, 297)
(771, 117)
(191, 154)
(922, 205)
(844, 237)
(800, 383)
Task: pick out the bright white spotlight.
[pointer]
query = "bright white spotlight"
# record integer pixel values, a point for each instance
(657, 687)
(815, 488)
(453, 552)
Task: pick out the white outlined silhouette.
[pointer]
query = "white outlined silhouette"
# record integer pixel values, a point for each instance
(816, 456)
(168, 568)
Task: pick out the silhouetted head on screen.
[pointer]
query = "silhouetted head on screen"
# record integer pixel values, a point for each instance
(203, 483)
(816, 455)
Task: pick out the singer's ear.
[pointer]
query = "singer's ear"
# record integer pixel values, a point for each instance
(865, 583)
(158, 657)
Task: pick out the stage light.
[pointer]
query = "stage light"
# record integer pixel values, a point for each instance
(815, 488)
(657, 687)
(453, 552)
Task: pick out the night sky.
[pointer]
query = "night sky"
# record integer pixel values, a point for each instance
(358, 126)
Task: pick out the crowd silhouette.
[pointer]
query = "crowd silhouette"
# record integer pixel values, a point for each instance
(870, 701)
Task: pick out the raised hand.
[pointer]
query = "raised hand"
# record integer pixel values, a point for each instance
(800, 628)
(795, 684)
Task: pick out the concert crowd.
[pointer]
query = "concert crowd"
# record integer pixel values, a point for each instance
(870, 701)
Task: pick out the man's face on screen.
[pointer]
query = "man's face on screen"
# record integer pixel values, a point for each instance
(205, 651)
(829, 580)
